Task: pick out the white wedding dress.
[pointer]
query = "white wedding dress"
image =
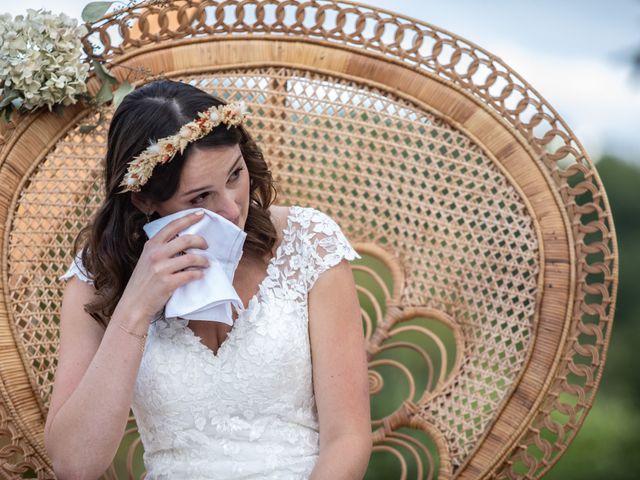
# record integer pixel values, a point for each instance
(247, 412)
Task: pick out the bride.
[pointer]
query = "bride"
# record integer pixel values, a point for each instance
(282, 393)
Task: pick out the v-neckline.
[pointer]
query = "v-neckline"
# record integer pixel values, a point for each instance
(231, 335)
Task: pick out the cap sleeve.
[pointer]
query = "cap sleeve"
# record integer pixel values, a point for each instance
(327, 245)
(77, 269)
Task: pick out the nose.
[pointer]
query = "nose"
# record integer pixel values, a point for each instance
(229, 209)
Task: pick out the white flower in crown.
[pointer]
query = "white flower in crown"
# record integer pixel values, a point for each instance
(130, 181)
(154, 148)
(163, 150)
(186, 132)
(214, 116)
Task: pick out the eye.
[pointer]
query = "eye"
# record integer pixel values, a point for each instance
(200, 197)
(236, 173)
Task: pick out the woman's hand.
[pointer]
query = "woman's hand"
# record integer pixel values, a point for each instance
(163, 266)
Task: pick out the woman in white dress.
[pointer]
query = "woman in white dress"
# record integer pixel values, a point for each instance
(280, 394)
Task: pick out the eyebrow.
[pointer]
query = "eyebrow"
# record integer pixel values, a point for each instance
(235, 164)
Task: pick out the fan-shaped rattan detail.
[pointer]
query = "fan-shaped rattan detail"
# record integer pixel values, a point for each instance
(473, 204)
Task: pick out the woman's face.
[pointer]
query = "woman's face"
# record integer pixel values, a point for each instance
(214, 178)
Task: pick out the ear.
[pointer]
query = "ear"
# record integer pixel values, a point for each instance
(142, 203)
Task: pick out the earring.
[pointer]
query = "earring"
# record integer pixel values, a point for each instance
(147, 214)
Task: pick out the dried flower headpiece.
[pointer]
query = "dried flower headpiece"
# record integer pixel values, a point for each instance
(163, 150)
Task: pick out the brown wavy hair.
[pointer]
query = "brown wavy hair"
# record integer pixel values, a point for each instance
(112, 242)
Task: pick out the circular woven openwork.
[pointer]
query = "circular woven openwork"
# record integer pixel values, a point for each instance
(488, 280)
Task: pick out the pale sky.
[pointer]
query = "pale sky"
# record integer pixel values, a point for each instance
(576, 53)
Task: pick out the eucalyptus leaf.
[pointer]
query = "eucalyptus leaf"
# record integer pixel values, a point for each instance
(104, 74)
(94, 11)
(104, 95)
(17, 102)
(8, 98)
(124, 89)
(5, 113)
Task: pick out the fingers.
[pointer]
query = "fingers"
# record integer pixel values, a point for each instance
(187, 261)
(188, 275)
(171, 229)
(178, 245)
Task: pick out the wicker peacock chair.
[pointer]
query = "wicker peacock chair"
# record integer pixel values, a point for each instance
(489, 269)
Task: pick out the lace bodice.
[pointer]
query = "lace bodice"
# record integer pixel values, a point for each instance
(249, 410)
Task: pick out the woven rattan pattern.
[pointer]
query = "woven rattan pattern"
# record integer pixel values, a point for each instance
(402, 178)
(61, 195)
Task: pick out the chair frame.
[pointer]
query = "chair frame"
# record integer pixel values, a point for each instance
(443, 73)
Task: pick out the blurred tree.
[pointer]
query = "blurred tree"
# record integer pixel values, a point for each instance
(606, 447)
(622, 184)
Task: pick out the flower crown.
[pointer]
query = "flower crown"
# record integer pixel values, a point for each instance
(163, 150)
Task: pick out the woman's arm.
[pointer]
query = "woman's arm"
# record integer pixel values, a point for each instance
(93, 386)
(340, 376)
(96, 371)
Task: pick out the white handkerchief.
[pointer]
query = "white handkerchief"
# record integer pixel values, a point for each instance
(209, 297)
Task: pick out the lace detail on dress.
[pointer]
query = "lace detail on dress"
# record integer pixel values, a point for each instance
(327, 245)
(314, 244)
(248, 411)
